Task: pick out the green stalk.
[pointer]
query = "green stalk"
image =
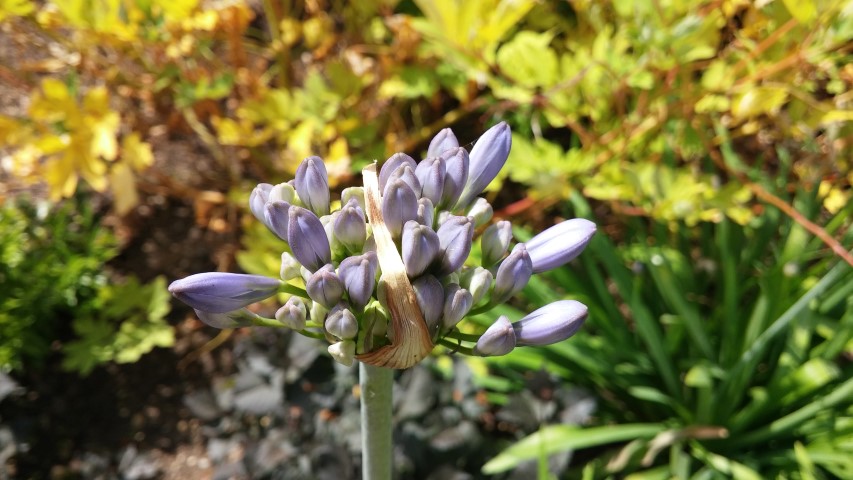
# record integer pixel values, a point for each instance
(376, 453)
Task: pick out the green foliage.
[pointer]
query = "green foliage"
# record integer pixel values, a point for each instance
(123, 323)
(51, 264)
(52, 275)
(723, 344)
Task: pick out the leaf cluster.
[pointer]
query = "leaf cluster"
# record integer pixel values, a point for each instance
(715, 351)
(52, 277)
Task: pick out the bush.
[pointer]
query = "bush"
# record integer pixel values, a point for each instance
(52, 275)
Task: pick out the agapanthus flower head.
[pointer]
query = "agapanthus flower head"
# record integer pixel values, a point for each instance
(387, 275)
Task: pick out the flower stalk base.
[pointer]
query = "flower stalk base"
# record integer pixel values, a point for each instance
(376, 427)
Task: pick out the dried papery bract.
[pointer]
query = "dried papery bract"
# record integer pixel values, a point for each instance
(410, 341)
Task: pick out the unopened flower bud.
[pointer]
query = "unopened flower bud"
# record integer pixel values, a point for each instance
(481, 211)
(350, 227)
(343, 352)
(283, 192)
(307, 238)
(420, 247)
(292, 314)
(443, 141)
(317, 312)
(443, 216)
(312, 185)
(495, 241)
(560, 244)
(513, 274)
(375, 320)
(356, 193)
(457, 303)
(305, 273)
(430, 173)
(394, 161)
(236, 319)
(550, 324)
(290, 267)
(341, 323)
(478, 281)
(407, 174)
(425, 212)
(399, 205)
(217, 292)
(359, 275)
(257, 199)
(430, 296)
(487, 158)
(454, 237)
(276, 218)
(456, 175)
(499, 339)
(328, 222)
(325, 287)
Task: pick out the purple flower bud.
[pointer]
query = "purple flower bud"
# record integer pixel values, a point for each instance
(513, 274)
(350, 227)
(292, 314)
(307, 239)
(341, 323)
(455, 177)
(236, 319)
(290, 267)
(481, 211)
(430, 173)
(478, 281)
(393, 163)
(499, 339)
(457, 303)
(257, 199)
(552, 323)
(325, 287)
(399, 205)
(443, 141)
(425, 212)
(487, 158)
(495, 241)
(283, 192)
(454, 237)
(276, 218)
(407, 174)
(359, 275)
(420, 247)
(431, 300)
(343, 352)
(217, 292)
(559, 244)
(312, 185)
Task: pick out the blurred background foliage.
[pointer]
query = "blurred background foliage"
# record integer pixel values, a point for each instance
(710, 139)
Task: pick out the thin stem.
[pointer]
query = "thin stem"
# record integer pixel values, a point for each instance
(293, 290)
(456, 347)
(376, 449)
(482, 309)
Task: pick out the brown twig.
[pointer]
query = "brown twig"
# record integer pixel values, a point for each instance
(777, 202)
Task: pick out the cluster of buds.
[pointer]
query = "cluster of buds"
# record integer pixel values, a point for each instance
(384, 277)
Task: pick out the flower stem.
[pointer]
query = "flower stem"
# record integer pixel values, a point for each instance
(376, 453)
